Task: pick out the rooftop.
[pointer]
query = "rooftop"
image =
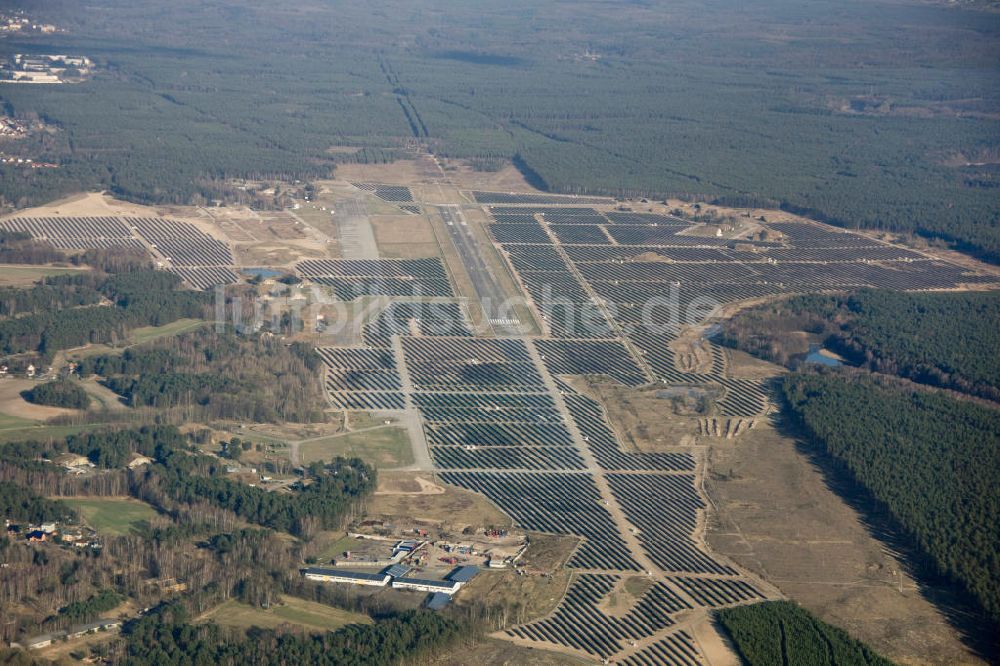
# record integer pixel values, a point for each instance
(463, 574)
(340, 573)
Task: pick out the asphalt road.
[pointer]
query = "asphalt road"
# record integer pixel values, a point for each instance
(357, 240)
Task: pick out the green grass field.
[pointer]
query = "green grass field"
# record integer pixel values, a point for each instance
(292, 610)
(10, 422)
(14, 429)
(149, 333)
(112, 515)
(385, 447)
(19, 275)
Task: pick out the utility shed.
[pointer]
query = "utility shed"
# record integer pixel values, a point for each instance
(463, 574)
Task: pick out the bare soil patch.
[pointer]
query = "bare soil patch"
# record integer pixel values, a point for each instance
(642, 421)
(507, 179)
(744, 366)
(12, 404)
(776, 515)
(396, 501)
(404, 237)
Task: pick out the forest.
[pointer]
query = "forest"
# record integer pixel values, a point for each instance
(142, 298)
(21, 505)
(912, 335)
(408, 636)
(256, 378)
(775, 633)
(195, 503)
(884, 128)
(931, 460)
(60, 393)
(53, 293)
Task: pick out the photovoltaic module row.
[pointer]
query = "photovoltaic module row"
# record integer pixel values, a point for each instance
(390, 193)
(665, 509)
(677, 649)
(558, 503)
(416, 318)
(182, 243)
(580, 623)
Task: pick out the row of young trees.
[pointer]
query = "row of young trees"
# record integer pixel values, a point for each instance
(930, 459)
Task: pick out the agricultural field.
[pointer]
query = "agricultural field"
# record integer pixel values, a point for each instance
(384, 447)
(311, 616)
(112, 515)
(22, 276)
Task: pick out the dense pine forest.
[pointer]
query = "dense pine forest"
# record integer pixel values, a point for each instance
(884, 127)
(408, 636)
(943, 339)
(141, 298)
(930, 459)
(256, 378)
(60, 393)
(775, 633)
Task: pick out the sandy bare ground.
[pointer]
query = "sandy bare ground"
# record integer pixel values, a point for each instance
(776, 515)
(12, 404)
(408, 485)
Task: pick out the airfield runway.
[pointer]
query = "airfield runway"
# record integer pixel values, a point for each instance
(503, 320)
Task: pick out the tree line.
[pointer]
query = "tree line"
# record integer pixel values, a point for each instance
(931, 460)
(775, 633)
(943, 339)
(407, 636)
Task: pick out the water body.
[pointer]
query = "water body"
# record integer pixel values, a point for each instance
(816, 356)
(263, 273)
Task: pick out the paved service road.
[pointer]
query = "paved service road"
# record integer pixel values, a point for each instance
(503, 320)
(357, 240)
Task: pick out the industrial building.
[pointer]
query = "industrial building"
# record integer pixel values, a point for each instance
(340, 576)
(427, 585)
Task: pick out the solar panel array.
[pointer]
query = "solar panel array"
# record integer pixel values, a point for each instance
(354, 278)
(390, 193)
(501, 419)
(580, 623)
(200, 259)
